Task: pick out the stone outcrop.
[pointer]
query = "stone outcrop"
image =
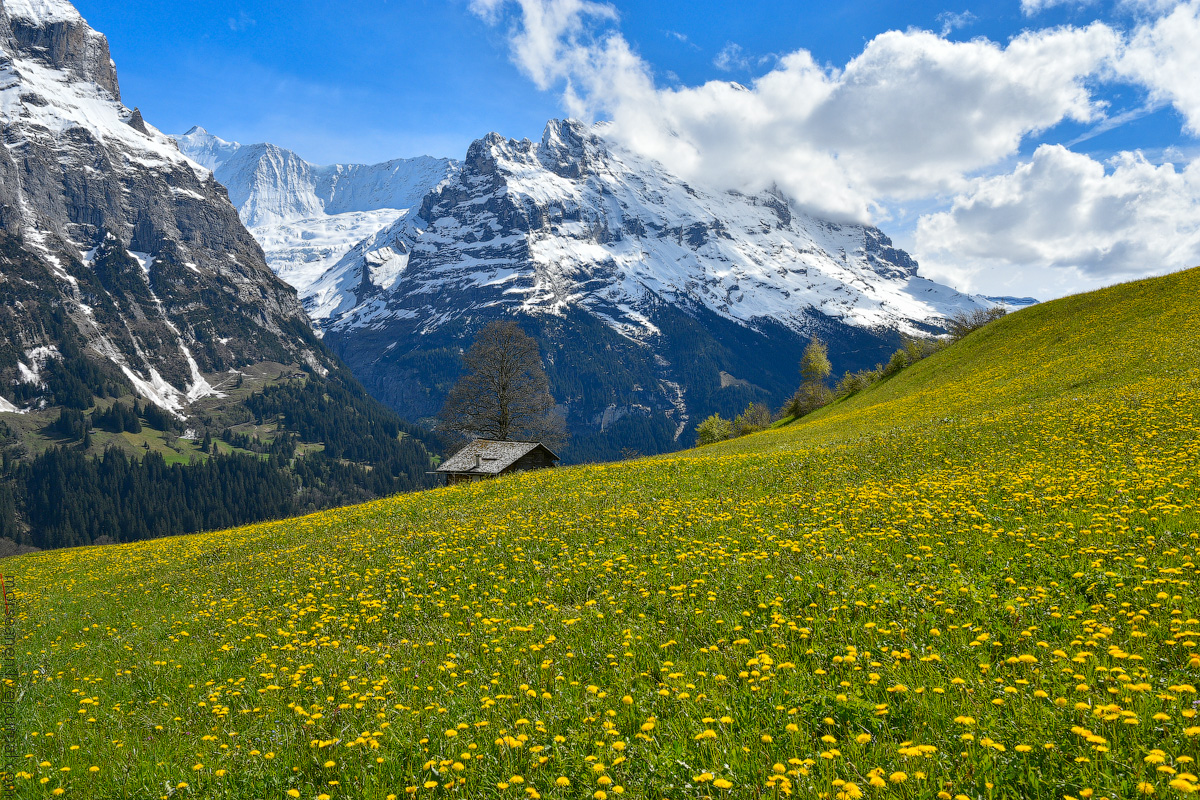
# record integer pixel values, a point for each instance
(137, 246)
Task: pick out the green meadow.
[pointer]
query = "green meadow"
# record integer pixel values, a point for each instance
(976, 579)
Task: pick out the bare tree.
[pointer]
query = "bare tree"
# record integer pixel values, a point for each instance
(504, 394)
(961, 323)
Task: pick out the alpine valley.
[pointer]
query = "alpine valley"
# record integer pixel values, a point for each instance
(155, 376)
(198, 333)
(656, 303)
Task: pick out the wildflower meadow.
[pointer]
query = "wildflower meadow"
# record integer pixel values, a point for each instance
(977, 579)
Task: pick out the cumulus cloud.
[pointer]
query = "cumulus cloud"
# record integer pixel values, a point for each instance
(1164, 56)
(911, 115)
(1062, 209)
(914, 117)
(551, 37)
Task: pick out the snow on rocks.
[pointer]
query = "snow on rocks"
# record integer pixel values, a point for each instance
(576, 221)
(306, 217)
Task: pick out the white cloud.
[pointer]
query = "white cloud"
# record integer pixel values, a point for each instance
(953, 20)
(1031, 7)
(551, 36)
(912, 115)
(914, 118)
(1066, 211)
(731, 57)
(1149, 7)
(1164, 56)
(682, 38)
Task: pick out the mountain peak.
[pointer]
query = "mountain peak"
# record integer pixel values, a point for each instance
(206, 149)
(53, 33)
(564, 147)
(307, 216)
(42, 12)
(137, 123)
(564, 130)
(481, 154)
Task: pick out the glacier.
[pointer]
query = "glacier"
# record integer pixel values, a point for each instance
(306, 217)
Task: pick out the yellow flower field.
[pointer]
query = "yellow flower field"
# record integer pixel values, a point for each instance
(977, 579)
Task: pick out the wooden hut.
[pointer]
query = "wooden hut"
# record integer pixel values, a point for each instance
(487, 458)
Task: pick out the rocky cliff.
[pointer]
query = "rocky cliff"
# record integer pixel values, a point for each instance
(132, 242)
(131, 293)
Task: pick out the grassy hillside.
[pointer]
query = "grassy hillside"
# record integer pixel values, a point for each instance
(977, 579)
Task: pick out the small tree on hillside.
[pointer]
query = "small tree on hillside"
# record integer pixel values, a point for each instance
(504, 394)
(961, 323)
(714, 429)
(814, 369)
(755, 418)
(814, 364)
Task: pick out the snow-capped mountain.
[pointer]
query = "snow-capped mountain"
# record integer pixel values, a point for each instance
(305, 216)
(575, 221)
(707, 296)
(109, 227)
(130, 290)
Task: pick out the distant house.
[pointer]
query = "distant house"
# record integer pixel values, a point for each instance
(486, 458)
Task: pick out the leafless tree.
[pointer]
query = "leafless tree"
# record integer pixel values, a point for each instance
(961, 323)
(504, 394)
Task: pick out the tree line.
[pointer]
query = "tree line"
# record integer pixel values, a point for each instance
(815, 370)
(64, 497)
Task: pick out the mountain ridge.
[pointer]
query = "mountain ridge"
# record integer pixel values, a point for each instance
(139, 317)
(617, 266)
(306, 216)
(574, 233)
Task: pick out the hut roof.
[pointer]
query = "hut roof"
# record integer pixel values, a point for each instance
(493, 457)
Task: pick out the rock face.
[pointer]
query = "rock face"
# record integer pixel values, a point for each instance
(135, 250)
(144, 342)
(656, 302)
(55, 34)
(306, 217)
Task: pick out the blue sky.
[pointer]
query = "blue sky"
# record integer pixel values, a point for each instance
(1088, 95)
(368, 81)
